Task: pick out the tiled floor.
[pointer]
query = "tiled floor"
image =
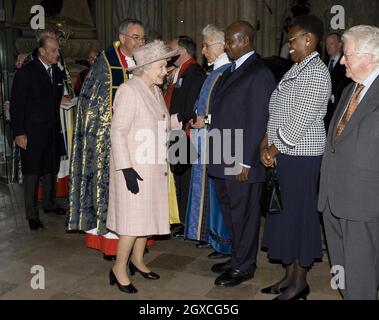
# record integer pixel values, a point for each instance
(74, 272)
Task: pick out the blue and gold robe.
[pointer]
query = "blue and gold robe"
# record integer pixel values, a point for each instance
(204, 220)
(89, 168)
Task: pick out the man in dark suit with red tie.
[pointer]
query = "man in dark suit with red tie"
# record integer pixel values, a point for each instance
(36, 97)
(240, 103)
(337, 73)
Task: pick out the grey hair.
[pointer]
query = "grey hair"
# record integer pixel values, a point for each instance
(49, 31)
(365, 38)
(140, 71)
(125, 23)
(211, 30)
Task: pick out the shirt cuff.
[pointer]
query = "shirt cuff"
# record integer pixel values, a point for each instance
(284, 140)
(245, 165)
(208, 119)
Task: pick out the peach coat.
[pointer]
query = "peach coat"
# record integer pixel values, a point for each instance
(139, 140)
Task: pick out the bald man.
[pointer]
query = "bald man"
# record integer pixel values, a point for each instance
(240, 102)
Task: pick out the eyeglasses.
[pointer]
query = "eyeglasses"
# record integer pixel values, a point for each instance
(206, 45)
(349, 55)
(135, 37)
(290, 40)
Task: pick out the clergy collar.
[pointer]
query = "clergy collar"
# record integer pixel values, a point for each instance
(220, 61)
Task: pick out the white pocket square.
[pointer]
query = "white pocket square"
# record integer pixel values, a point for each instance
(60, 84)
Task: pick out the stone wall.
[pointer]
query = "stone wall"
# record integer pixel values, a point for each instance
(191, 16)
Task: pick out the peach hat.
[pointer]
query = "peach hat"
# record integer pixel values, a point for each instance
(152, 52)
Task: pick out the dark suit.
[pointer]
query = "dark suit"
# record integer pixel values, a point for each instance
(348, 195)
(183, 99)
(34, 110)
(339, 83)
(240, 101)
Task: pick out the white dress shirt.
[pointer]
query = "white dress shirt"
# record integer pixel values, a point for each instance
(239, 62)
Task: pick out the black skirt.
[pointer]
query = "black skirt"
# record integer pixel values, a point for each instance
(295, 233)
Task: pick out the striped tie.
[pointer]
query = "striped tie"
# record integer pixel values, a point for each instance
(354, 102)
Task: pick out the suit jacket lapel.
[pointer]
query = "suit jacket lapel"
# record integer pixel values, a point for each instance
(368, 103)
(234, 76)
(340, 111)
(43, 72)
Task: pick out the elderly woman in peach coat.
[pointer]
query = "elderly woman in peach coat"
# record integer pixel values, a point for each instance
(138, 187)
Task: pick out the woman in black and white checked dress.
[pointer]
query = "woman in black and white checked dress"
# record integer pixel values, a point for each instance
(296, 140)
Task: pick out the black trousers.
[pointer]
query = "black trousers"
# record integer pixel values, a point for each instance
(182, 185)
(31, 183)
(241, 211)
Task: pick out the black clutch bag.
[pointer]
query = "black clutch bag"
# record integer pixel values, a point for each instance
(271, 201)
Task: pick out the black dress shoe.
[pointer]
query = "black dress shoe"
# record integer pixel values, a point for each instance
(147, 275)
(222, 267)
(179, 234)
(234, 277)
(34, 224)
(127, 289)
(109, 258)
(178, 230)
(203, 245)
(217, 255)
(57, 211)
(274, 290)
(302, 295)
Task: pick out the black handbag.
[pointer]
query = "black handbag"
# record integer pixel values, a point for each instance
(271, 201)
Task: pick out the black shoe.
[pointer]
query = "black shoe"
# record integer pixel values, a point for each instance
(35, 224)
(222, 267)
(178, 231)
(179, 234)
(217, 255)
(274, 290)
(234, 277)
(109, 258)
(57, 211)
(150, 275)
(127, 289)
(203, 245)
(302, 295)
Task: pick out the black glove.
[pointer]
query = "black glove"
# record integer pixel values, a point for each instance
(131, 177)
(187, 116)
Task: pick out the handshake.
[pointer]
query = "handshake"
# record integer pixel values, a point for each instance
(187, 116)
(193, 119)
